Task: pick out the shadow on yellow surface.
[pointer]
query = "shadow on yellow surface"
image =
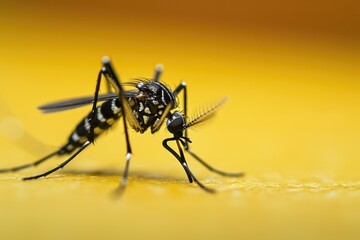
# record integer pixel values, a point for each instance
(291, 122)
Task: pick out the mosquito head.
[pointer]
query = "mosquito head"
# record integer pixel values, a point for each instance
(176, 124)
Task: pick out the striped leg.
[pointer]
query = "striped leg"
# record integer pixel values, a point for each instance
(109, 73)
(87, 143)
(38, 162)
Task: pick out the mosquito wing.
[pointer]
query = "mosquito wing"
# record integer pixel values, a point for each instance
(78, 102)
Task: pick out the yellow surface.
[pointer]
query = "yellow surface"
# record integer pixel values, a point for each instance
(292, 122)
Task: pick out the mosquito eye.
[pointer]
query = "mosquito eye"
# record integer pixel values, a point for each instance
(175, 123)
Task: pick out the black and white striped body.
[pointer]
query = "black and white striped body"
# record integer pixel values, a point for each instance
(147, 103)
(105, 116)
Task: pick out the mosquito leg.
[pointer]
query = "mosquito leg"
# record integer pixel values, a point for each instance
(108, 86)
(91, 135)
(18, 168)
(209, 190)
(182, 87)
(158, 71)
(87, 143)
(192, 175)
(103, 71)
(110, 75)
(181, 159)
(212, 169)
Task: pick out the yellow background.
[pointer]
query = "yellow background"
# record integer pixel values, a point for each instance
(292, 123)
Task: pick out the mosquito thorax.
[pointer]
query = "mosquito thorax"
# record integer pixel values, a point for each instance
(149, 102)
(176, 123)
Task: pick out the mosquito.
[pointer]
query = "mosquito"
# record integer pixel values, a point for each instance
(148, 104)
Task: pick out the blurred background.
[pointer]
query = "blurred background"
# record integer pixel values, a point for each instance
(290, 70)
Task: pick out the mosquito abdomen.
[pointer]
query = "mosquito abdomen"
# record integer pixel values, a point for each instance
(105, 116)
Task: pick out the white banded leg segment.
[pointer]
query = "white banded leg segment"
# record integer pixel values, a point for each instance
(124, 180)
(159, 68)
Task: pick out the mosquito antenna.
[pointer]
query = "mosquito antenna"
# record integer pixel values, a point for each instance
(205, 114)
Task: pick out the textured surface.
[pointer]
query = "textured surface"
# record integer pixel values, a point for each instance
(292, 122)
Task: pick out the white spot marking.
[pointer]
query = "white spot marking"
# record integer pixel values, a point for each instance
(75, 137)
(87, 124)
(147, 110)
(128, 156)
(100, 116)
(157, 119)
(141, 107)
(114, 108)
(161, 106)
(160, 112)
(146, 119)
